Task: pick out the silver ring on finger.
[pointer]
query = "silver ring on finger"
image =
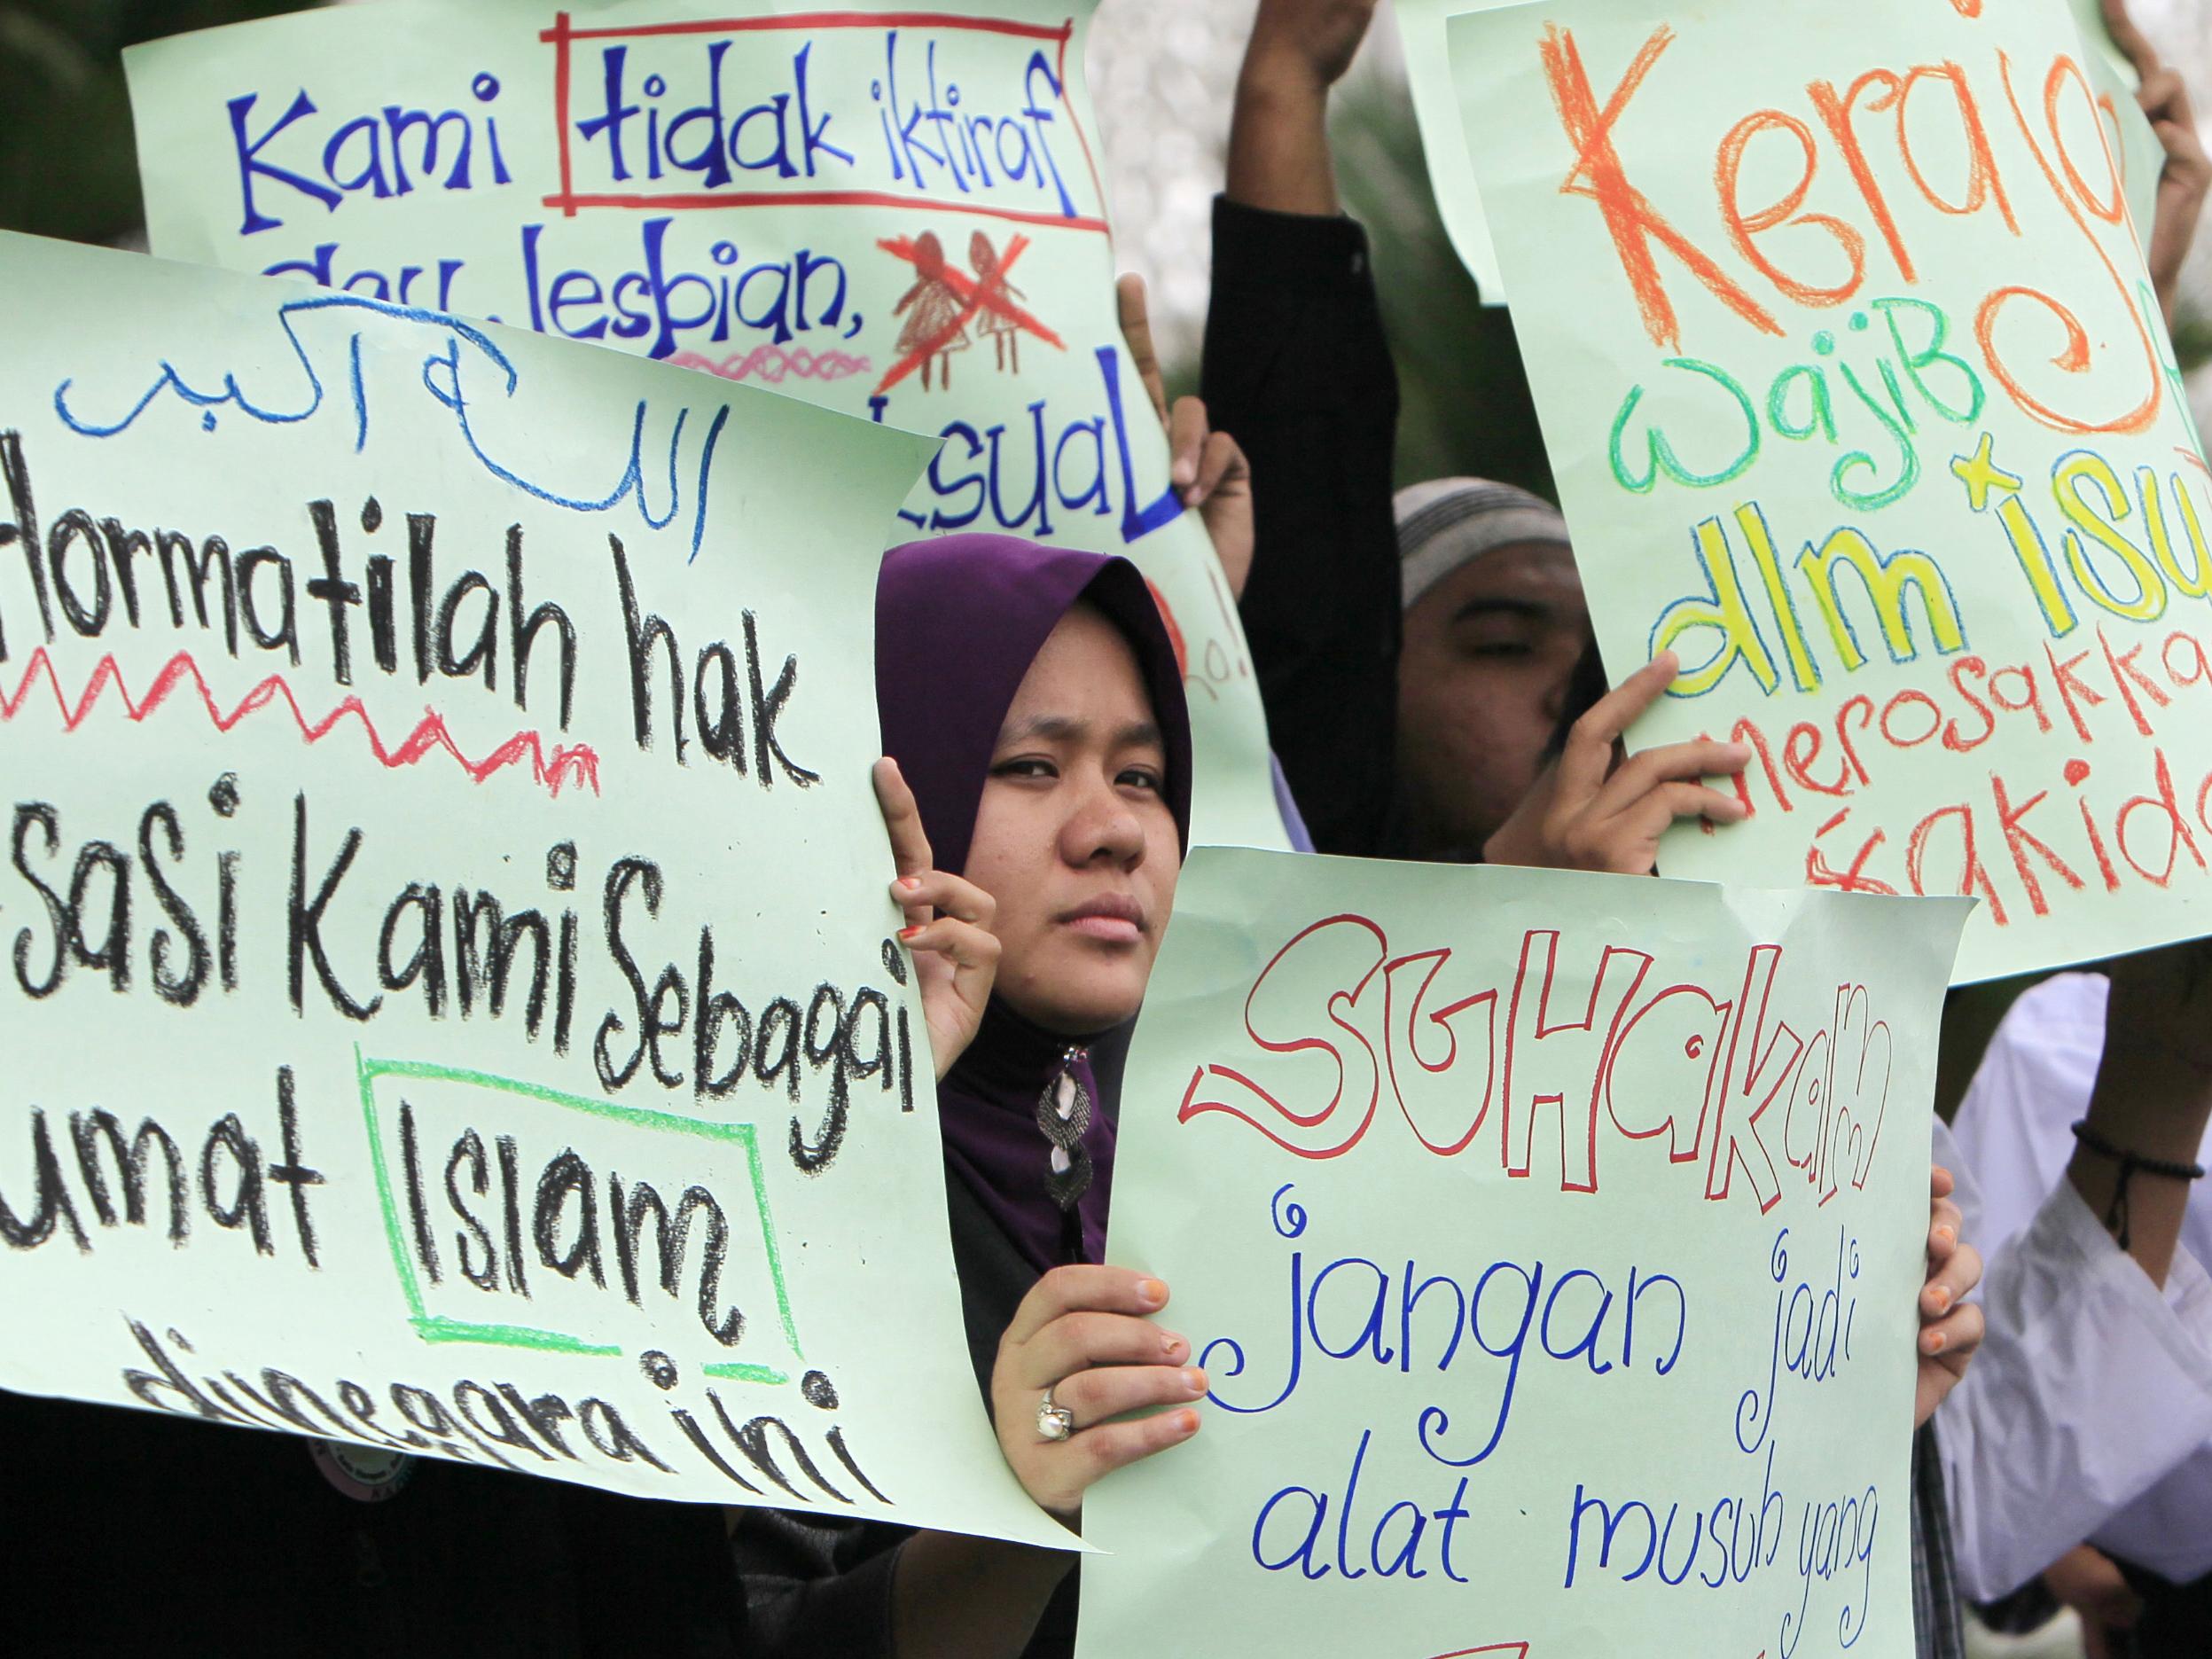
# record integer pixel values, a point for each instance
(1054, 1421)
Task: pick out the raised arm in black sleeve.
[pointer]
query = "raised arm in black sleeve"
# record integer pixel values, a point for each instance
(1297, 369)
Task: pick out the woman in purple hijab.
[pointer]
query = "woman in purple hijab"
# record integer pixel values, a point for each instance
(960, 624)
(1032, 702)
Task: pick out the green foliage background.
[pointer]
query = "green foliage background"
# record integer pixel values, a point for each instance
(67, 165)
(1465, 407)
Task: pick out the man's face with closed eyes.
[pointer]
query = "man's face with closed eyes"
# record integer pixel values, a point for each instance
(1488, 653)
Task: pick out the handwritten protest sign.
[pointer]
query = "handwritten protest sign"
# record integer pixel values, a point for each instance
(893, 213)
(1860, 402)
(1424, 26)
(1552, 1244)
(450, 1001)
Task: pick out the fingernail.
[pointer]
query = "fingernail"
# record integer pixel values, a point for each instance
(1946, 1236)
(908, 932)
(1194, 1380)
(910, 882)
(1939, 1298)
(1170, 1343)
(1933, 1342)
(1186, 1423)
(1741, 753)
(1151, 1292)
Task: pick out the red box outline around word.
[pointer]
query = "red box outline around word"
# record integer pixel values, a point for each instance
(568, 201)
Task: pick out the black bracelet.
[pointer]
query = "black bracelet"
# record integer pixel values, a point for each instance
(2131, 1164)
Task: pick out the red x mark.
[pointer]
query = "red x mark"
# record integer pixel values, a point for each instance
(988, 296)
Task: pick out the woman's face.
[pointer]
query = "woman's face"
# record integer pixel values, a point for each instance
(1074, 837)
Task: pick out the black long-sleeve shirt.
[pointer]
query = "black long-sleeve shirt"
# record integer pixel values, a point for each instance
(1297, 369)
(131, 1532)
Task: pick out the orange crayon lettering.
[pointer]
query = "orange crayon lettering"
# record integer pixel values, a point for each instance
(1630, 218)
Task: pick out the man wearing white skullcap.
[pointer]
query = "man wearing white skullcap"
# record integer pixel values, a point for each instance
(1495, 624)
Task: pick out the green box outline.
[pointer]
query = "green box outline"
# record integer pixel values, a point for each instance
(440, 1328)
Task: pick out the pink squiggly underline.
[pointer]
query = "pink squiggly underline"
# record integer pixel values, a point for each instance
(578, 762)
(775, 365)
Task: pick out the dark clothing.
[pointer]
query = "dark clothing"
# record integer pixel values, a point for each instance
(2176, 1622)
(1936, 1620)
(994, 1278)
(128, 1531)
(995, 1096)
(817, 1588)
(1297, 369)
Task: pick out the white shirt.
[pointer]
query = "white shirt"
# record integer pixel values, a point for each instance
(2087, 1414)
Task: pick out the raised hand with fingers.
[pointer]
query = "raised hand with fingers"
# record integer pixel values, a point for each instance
(1594, 809)
(1279, 146)
(2183, 180)
(1315, 40)
(1136, 319)
(1951, 1326)
(948, 925)
(1206, 466)
(1082, 1352)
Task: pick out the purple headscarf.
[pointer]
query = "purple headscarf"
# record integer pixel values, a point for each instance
(960, 619)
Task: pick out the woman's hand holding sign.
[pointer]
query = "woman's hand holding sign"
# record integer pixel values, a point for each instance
(1951, 1326)
(1080, 1353)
